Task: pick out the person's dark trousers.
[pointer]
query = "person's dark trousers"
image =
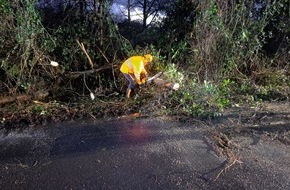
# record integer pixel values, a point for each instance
(132, 83)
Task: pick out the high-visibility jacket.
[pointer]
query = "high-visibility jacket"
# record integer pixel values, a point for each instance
(135, 65)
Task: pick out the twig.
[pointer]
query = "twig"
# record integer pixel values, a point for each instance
(114, 72)
(228, 166)
(103, 55)
(86, 84)
(92, 116)
(86, 53)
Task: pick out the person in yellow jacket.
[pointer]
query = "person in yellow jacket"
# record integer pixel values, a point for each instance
(133, 68)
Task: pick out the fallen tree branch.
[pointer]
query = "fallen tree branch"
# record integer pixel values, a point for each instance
(23, 97)
(76, 74)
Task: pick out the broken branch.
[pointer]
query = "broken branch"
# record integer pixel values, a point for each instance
(86, 53)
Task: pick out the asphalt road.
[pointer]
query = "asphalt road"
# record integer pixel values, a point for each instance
(137, 154)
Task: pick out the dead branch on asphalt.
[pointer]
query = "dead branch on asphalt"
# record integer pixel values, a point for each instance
(222, 146)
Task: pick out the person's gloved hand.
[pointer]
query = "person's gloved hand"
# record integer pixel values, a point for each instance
(139, 83)
(143, 81)
(143, 77)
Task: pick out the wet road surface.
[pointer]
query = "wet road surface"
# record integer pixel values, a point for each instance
(136, 154)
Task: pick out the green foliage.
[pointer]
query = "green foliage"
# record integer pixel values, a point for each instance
(197, 99)
(204, 100)
(221, 37)
(39, 110)
(173, 72)
(5, 7)
(221, 53)
(214, 49)
(25, 40)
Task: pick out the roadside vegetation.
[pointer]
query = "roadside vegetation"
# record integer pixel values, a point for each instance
(222, 53)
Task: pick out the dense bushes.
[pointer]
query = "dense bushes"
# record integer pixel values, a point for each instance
(222, 49)
(214, 49)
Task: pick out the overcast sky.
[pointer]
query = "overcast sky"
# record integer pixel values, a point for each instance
(118, 9)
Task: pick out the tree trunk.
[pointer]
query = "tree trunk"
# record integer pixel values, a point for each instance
(82, 5)
(101, 24)
(129, 11)
(95, 6)
(145, 14)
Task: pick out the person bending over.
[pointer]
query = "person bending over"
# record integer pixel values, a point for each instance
(133, 68)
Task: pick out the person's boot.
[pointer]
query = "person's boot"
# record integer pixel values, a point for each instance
(128, 93)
